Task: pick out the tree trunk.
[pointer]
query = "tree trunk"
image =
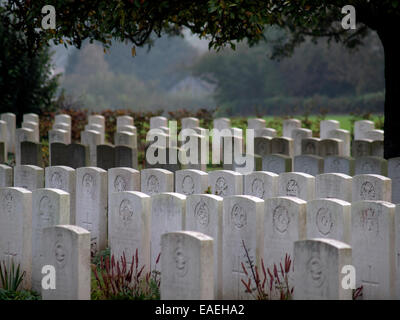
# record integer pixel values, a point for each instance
(388, 34)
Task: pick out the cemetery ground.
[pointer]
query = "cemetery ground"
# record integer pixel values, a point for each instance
(134, 276)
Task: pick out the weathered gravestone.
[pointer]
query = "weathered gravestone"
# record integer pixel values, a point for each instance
(168, 211)
(31, 153)
(204, 214)
(122, 179)
(67, 249)
(372, 165)
(59, 135)
(265, 132)
(277, 163)
(333, 185)
(261, 184)
(377, 148)
(98, 128)
(155, 181)
(298, 135)
(296, 184)
(329, 218)
(317, 269)
(16, 230)
(10, 119)
(394, 174)
(284, 223)
(91, 139)
(50, 207)
(311, 146)
(6, 176)
(242, 224)
(185, 266)
(336, 164)
(191, 181)
(129, 227)
(91, 205)
(373, 243)
(225, 183)
(308, 163)
(221, 123)
(74, 155)
(371, 187)
(63, 178)
(325, 126)
(28, 177)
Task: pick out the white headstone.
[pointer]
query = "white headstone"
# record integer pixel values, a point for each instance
(394, 174)
(191, 181)
(185, 266)
(330, 147)
(261, 184)
(98, 128)
(225, 183)
(289, 125)
(242, 223)
(97, 119)
(374, 135)
(33, 126)
(6, 176)
(204, 214)
(308, 163)
(262, 145)
(91, 139)
(22, 134)
(282, 145)
(372, 165)
(190, 122)
(157, 122)
(298, 135)
(29, 177)
(373, 244)
(329, 218)
(124, 121)
(10, 119)
(122, 179)
(265, 132)
(168, 212)
(277, 163)
(284, 223)
(333, 185)
(337, 164)
(129, 227)
(317, 269)
(63, 178)
(50, 207)
(67, 249)
(221, 123)
(311, 146)
(296, 184)
(16, 230)
(124, 138)
(63, 118)
(343, 135)
(155, 181)
(127, 128)
(325, 126)
(91, 205)
(256, 123)
(30, 117)
(361, 148)
(361, 127)
(371, 187)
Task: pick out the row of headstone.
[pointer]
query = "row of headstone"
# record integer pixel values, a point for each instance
(261, 184)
